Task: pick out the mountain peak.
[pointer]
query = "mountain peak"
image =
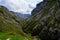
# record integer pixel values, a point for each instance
(1, 6)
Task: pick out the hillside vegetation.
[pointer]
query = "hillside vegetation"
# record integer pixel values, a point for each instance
(11, 26)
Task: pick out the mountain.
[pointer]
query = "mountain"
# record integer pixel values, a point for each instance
(44, 22)
(11, 26)
(9, 22)
(24, 16)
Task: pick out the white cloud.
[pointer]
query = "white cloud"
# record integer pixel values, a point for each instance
(23, 6)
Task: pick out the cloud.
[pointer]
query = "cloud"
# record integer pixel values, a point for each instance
(22, 6)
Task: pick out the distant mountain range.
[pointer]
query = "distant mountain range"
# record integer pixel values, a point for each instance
(21, 15)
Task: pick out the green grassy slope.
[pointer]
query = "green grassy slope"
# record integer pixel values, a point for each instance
(5, 36)
(9, 22)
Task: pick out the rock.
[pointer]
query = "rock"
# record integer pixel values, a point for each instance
(8, 39)
(44, 20)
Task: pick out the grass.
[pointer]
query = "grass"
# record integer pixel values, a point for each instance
(5, 36)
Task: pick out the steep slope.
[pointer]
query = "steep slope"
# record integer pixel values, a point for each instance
(45, 20)
(9, 22)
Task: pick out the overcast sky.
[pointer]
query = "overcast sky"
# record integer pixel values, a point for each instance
(22, 6)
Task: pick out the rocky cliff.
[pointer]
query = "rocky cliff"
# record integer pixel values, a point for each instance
(44, 21)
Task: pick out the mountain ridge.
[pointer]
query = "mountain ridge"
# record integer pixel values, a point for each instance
(9, 22)
(44, 21)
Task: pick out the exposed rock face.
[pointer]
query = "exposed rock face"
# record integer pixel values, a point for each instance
(45, 21)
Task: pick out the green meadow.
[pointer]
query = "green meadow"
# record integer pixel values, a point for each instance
(5, 36)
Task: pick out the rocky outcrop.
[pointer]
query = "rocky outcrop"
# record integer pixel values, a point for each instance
(44, 21)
